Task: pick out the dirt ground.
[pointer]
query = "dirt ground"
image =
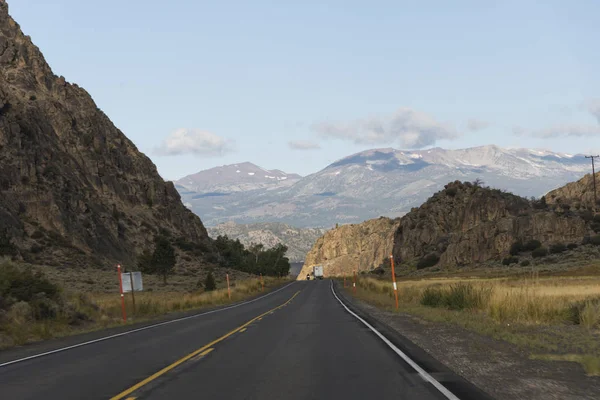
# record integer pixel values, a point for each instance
(499, 368)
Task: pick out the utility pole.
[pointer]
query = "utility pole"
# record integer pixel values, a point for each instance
(594, 177)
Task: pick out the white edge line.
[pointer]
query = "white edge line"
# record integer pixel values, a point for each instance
(139, 329)
(402, 355)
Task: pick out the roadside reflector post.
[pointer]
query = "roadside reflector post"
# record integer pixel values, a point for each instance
(132, 290)
(354, 283)
(228, 289)
(262, 282)
(344, 282)
(394, 280)
(122, 295)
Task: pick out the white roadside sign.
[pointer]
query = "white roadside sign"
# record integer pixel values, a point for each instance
(138, 285)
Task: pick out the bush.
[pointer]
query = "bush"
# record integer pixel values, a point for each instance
(516, 248)
(209, 282)
(510, 260)
(531, 245)
(428, 261)
(595, 240)
(540, 252)
(572, 246)
(525, 263)
(432, 297)
(451, 192)
(557, 248)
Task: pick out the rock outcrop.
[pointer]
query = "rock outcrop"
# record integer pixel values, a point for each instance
(348, 248)
(71, 184)
(466, 224)
(575, 195)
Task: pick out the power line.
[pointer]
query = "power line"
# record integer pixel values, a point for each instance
(594, 176)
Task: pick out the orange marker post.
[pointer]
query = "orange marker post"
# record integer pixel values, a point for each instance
(394, 280)
(228, 289)
(354, 283)
(122, 295)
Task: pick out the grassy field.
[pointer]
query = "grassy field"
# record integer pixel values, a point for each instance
(554, 318)
(54, 310)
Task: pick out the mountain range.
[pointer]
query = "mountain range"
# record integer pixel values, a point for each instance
(369, 184)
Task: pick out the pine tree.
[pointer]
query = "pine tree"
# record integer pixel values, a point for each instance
(209, 282)
(163, 258)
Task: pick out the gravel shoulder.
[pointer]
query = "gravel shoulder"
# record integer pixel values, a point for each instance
(497, 367)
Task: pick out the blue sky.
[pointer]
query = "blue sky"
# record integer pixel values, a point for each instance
(297, 85)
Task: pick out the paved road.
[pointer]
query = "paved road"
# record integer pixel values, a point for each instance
(298, 343)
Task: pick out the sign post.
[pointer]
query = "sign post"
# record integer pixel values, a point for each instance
(354, 283)
(228, 289)
(122, 295)
(394, 280)
(132, 290)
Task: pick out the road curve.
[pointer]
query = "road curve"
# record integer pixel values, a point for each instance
(298, 343)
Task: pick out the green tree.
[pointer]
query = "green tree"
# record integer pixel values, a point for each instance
(209, 282)
(145, 262)
(163, 258)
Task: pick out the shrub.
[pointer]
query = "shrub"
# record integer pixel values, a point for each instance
(557, 248)
(587, 215)
(539, 252)
(516, 248)
(510, 260)
(451, 192)
(37, 235)
(531, 245)
(209, 282)
(595, 240)
(525, 263)
(466, 296)
(428, 261)
(432, 297)
(572, 246)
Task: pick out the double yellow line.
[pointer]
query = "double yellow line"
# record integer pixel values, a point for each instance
(163, 371)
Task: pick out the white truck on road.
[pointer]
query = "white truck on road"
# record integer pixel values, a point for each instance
(318, 271)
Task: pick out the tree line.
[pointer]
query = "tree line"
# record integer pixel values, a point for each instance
(229, 253)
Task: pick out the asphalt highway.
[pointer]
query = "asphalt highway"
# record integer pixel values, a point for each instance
(301, 342)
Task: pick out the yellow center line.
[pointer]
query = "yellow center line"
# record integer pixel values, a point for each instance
(163, 371)
(243, 330)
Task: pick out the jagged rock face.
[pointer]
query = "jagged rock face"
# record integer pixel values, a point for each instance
(68, 177)
(576, 195)
(348, 248)
(466, 224)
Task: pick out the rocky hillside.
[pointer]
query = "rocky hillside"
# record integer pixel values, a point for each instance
(347, 248)
(466, 224)
(299, 241)
(72, 186)
(575, 195)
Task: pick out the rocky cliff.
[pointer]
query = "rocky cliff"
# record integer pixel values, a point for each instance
(466, 224)
(71, 184)
(575, 195)
(348, 248)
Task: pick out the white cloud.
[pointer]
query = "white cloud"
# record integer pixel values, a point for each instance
(194, 141)
(476, 125)
(593, 106)
(303, 145)
(412, 129)
(568, 130)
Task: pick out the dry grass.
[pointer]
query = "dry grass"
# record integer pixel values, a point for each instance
(103, 310)
(555, 316)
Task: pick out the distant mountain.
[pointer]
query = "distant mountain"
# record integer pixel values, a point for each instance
(234, 178)
(298, 241)
(389, 182)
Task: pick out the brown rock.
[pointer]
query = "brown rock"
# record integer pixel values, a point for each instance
(71, 183)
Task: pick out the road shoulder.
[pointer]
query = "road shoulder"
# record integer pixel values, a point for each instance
(498, 367)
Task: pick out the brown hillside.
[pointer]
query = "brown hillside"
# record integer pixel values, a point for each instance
(71, 184)
(575, 195)
(467, 224)
(347, 248)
